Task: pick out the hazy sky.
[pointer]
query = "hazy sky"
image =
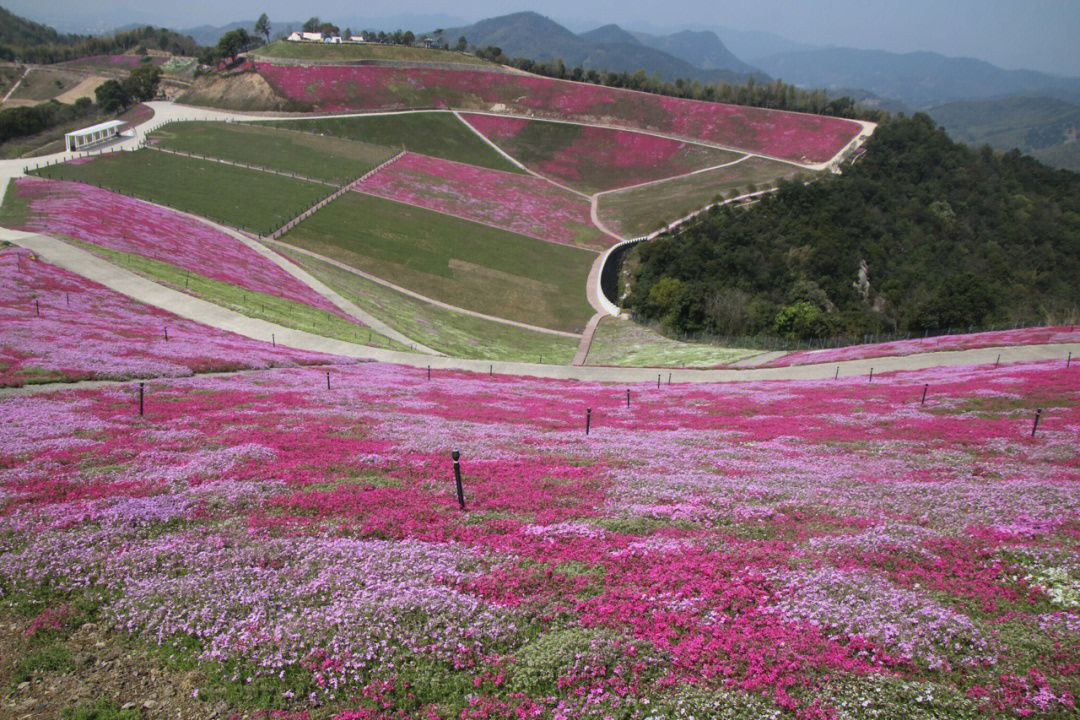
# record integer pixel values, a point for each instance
(1035, 34)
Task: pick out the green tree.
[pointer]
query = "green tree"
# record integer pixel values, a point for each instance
(141, 83)
(312, 25)
(262, 27)
(111, 96)
(462, 44)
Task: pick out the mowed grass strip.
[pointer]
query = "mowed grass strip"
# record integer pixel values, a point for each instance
(436, 134)
(243, 198)
(624, 343)
(456, 261)
(641, 210)
(330, 159)
(344, 52)
(271, 308)
(453, 333)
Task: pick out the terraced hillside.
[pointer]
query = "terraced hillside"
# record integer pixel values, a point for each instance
(784, 135)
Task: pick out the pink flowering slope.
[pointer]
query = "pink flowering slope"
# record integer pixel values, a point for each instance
(784, 135)
(749, 550)
(56, 326)
(593, 159)
(115, 221)
(520, 203)
(1021, 336)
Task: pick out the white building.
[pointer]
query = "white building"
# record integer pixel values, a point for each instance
(356, 38)
(295, 37)
(333, 40)
(93, 135)
(315, 37)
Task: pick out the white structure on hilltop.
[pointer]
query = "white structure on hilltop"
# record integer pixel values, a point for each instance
(93, 135)
(314, 37)
(295, 37)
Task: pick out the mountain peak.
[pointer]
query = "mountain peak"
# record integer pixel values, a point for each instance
(611, 33)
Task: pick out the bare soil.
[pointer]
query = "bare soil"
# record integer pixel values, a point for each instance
(244, 91)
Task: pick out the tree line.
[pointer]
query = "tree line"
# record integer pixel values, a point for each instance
(61, 48)
(921, 234)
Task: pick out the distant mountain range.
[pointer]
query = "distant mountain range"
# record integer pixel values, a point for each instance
(920, 80)
(611, 48)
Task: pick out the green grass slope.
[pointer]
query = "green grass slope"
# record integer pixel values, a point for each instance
(436, 134)
(453, 333)
(461, 263)
(330, 159)
(625, 343)
(641, 210)
(345, 52)
(240, 197)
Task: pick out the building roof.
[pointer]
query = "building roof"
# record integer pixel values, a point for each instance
(97, 128)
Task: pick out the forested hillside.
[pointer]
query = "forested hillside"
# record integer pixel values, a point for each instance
(922, 233)
(33, 42)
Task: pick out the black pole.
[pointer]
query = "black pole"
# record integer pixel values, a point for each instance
(588, 420)
(37, 308)
(669, 378)
(871, 375)
(924, 389)
(327, 379)
(491, 370)
(627, 397)
(657, 382)
(67, 298)
(997, 361)
(273, 339)
(1038, 414)
(1068, 361)
(837, 375)
(141, 400)
(457, 478)
(166, 333)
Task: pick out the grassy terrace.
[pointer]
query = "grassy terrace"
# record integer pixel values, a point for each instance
(624, 343)
(330, 159)
(437, 134)
(364, 51)
(639, 211)
(42, 84)
(263, 306)
(236, 196)
(453, 333)
(461, 263)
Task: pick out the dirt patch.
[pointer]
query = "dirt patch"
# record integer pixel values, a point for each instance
(85, 89)
(103, 667)
(244, 91)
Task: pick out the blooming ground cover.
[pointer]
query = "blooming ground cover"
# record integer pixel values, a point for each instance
(519, 203)
(593, 159)
(762, 549)
(118, 222)
(57, 326)
(967, 341)
(785, 135)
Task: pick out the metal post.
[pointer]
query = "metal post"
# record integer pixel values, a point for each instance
(657, 382)
(457, 478)
(141, 401)
(627, 397)
(67, 299)
(588, 420)
(871, 375)
(428, 372)
(327, 379)
(273, 339)
(837, 375)
(1038, 414)
(1068, 361)
(37, 308)
(166, 333)
(997, 361)
(924, 389)
(669, 378)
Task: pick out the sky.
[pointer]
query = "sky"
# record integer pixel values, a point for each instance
(1032, 34)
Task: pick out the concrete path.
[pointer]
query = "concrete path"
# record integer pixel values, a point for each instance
(418, 296)
(191, 308)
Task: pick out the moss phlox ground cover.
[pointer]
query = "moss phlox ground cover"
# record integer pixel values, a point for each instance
(115, 221)
(785, 135)
(55, 325)
(519, 203)
(825, 549)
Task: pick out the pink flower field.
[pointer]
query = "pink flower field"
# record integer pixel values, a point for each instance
(56, 326)
(115, 221)
(1020, 336)
(799, 550)
(784, 135)
(593, 159)
(519, 203)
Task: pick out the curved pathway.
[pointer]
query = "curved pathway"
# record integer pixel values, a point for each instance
(128, 283)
